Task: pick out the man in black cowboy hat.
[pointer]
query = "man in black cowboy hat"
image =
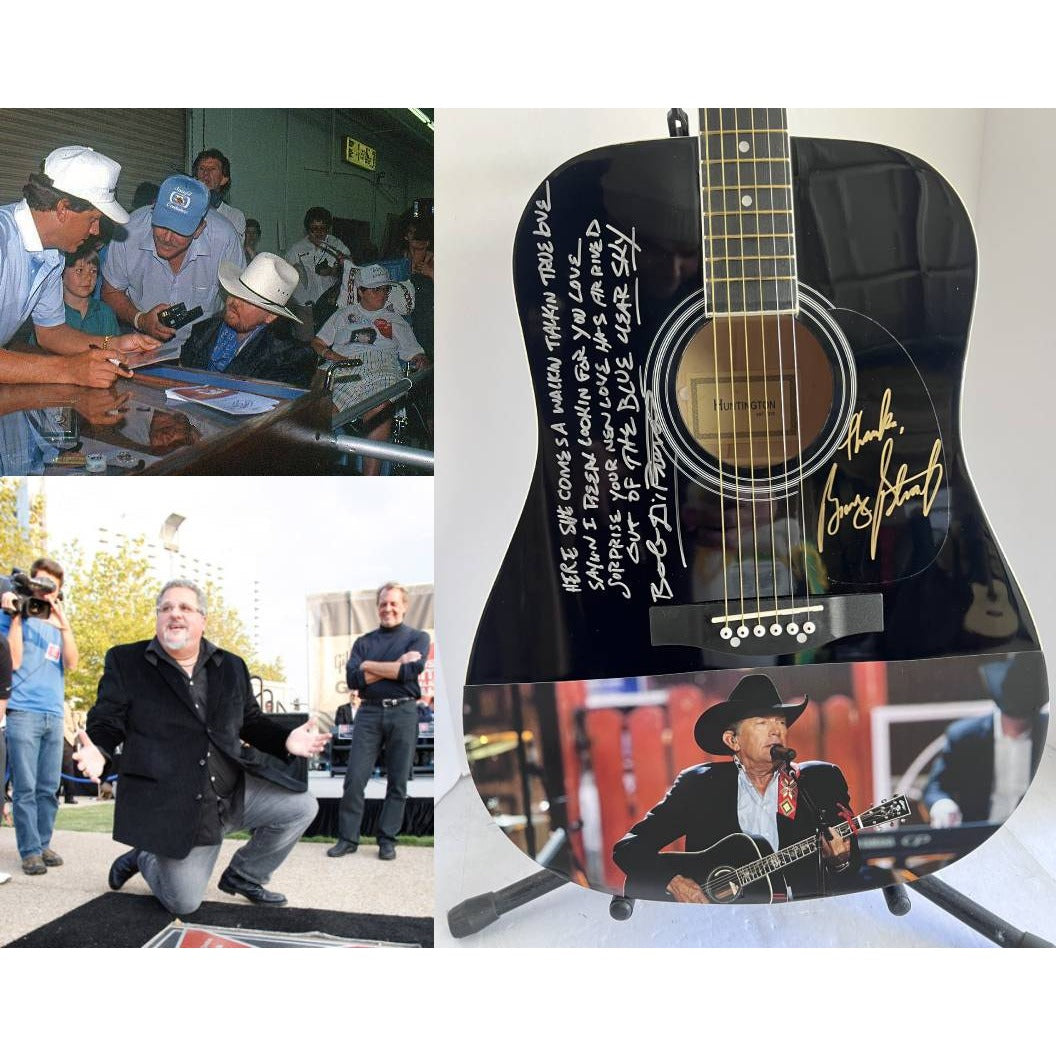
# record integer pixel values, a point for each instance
(754, 794)
(987, 762)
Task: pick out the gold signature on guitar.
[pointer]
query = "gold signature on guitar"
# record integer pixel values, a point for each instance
(867, 512)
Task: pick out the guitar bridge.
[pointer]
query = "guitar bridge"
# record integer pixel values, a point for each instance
(788, 625)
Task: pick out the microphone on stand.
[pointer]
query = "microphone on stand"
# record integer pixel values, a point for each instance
(782, 756)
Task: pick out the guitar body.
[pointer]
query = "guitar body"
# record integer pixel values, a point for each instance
(718, 494)
(714, 869)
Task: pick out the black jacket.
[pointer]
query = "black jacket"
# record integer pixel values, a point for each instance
(270, 354)
(702, 806)
(144, 703)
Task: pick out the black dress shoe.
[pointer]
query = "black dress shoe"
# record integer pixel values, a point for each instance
(386, 851)
(342, 847)
(123, 869)
(233, 884)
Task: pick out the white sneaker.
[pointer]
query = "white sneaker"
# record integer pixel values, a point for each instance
(4, 877)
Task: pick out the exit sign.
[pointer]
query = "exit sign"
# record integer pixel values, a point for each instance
(360, 154)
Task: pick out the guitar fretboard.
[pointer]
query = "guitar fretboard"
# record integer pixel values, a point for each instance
(890, 810)
(746, 212)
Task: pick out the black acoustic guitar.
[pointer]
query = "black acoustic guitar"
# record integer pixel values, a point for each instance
(739, 867)
(746, 353)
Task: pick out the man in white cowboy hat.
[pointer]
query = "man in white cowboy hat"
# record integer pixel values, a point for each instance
(753, 794)
(60, 211)
(171, 255)
(243, 340)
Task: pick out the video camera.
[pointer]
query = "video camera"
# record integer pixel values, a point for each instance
(30, 594)
(177, 315)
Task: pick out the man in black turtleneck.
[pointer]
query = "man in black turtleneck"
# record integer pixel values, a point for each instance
(384, 666)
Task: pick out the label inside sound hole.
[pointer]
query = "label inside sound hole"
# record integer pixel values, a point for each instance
(727, 414)
(754, 391)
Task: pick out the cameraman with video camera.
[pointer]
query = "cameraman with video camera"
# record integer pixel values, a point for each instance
(43, 649)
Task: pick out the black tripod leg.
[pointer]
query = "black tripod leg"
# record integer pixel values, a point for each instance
(974, 915)
(897, 899)
(475, 914)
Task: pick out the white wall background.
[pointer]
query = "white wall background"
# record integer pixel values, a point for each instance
(488, 164)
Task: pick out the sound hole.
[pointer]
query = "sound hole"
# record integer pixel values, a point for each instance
(721, 885)
(754, 392)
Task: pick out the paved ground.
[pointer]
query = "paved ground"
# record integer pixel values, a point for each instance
(358, 883)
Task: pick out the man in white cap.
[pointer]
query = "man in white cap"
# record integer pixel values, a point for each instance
(243, 340)
(171, 255)
(59, 212)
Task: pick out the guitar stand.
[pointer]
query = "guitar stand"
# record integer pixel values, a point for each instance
(475, 914)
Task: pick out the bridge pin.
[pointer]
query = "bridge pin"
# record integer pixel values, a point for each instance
(793, 629)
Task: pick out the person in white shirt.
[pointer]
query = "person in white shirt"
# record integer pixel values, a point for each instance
(377, 337)
(213, 169)
(986, 763)
(319, 258)
(60, 211)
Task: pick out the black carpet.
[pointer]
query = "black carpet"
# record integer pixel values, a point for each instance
(122, 921)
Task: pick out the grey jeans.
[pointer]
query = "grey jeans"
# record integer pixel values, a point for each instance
(276, 819)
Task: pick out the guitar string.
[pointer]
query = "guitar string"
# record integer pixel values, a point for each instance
(746, 326)
(763, 318)
(799, 413)
(790, 245)
(802, 848)
(890, 810)
(733, 374)
(707, 248)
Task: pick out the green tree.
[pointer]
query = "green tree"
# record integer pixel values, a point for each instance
(20, 545)
(110, 601)
(271, 670)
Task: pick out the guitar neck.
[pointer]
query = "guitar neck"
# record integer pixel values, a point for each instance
(746, 212)
(787, 855)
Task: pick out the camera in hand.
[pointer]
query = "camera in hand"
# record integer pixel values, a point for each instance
(176, 315)
(30, 594)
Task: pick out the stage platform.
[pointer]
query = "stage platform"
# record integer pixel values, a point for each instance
(324, 785)
(418, 814)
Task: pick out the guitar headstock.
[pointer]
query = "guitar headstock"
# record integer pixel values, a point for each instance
(894, 809)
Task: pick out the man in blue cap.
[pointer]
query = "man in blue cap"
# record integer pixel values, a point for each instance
(171, 255)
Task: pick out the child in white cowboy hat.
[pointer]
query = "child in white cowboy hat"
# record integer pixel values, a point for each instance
(380, 339)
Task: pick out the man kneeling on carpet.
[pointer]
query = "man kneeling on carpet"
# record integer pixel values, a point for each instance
(181, 707)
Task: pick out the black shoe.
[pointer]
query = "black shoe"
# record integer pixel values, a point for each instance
(386, 851)
(342, 847)
(233, 884)
(123, 869)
